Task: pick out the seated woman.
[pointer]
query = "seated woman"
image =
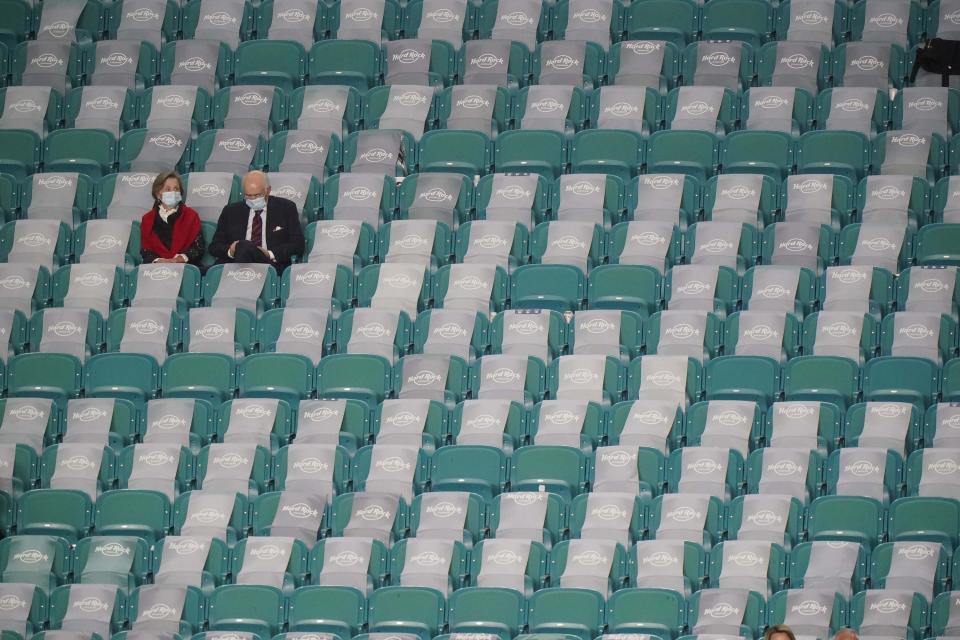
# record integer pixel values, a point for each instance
(170, 232)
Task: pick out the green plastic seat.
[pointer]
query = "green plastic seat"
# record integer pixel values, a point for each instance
(553, 528)
(341, 510)
(286, 376)
(951, 381)
(650, 466)
(259, 480)
(532, 151)
(92, 152)
(46, 375)
(412, 20)
(21, 152)
(593, 62)
(867, 342)
(458, 565)
(843, 60)
(21, 60)
(133, 149)
(577, 612)
(59, 605)
(366, 250)
(924, 518)
(946, 340)
(659, 612)
(215, 569)
(698, 416)
(675, 472)
(487, 19)
(514, 433)
(726, 113)
(446, 151)
(486, 610)
(592, 432)
(669, 68)
(236, 526)
(749, 21)
(440, 251)
(518, 61)
(614, 152)
(502, 107)
(800, 560)
(210, 376)
(814, 484)
(767, 203)
(17, 22)
(936, 161)
(246, 607)
(770, 153)
(676, 21)
(936, 245)
(354, 63)
(362, 463)
(294, 572)
(192, 614)
(548, 286)
(142, 513)
(630, 339)
(801, 113)
(711, 333)
(621, 412)
(845, 153)
(278, 63)
(940, 614)
(858, 21)
(900, 379)
(694, 153)
(560, 470)
(825, 378)
(825, 104)
(917, 622)
(693, 388)
(776, 561)
(36, 615)
(356, 376)
(474, 522)
(777, 609)
(750, 624)
(338, 610)
(416, 610)
(266, 505)
(203, 147)
(850, 518)
(13, 569)
(351, 112)
(63, 512)
(484, 190)
(391, 22)
(136, 548)
(779, 232)
(104, 480)
(478, 469)
(540, 241)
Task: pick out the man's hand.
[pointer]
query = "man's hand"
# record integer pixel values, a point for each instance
(233, 249)
(179, 258)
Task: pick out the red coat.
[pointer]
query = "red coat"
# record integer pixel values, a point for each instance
(185, 231)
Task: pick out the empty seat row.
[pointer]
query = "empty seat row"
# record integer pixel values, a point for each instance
(257, 612)
(748, 21)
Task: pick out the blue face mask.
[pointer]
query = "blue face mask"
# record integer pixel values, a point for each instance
(257, 203)
(170, 198)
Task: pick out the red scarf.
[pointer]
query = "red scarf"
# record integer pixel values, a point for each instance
(185, 230)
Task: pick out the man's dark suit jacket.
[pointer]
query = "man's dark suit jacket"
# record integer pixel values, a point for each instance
(284, 236)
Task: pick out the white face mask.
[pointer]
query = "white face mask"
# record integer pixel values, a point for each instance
(257, 203)
(170, 198)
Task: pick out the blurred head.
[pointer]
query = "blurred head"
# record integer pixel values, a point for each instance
(166, 182)
(846, 634)
(779, 632)
(256, 184)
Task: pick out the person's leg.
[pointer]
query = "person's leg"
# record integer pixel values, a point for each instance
(246, 251)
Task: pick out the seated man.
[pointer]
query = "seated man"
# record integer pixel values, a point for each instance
(262, 228)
